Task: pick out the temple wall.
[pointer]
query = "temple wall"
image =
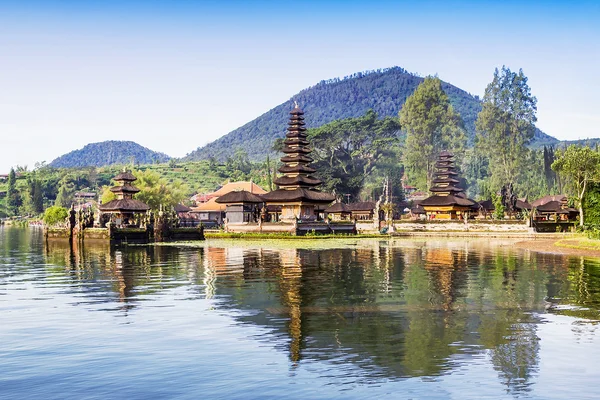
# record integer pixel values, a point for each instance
(455, 226)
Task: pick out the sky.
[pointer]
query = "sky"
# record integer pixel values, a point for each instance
(174, 75)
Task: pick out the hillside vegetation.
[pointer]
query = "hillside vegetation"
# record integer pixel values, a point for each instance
(109, 153)
(383, 91)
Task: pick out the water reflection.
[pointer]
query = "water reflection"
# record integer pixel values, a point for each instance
(397, 309)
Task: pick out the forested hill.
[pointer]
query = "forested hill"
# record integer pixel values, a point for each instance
(108, 153)
(384, 91)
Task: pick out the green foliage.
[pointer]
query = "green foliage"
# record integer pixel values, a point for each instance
(108, 153)
(578, 166)
(498, 206)
(591, 205)
(64, 198)
(13, 197)
(55, 215)
(431, 125)
(347, 151)
(505, 125)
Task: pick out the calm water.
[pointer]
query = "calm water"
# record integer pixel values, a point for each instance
(420, 319)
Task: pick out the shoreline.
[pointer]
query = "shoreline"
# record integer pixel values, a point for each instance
(575, 246)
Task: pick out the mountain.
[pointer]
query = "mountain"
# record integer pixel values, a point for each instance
(384, 91)
(108, 153)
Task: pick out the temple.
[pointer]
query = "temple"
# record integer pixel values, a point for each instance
(448, 200)
(124, 210)
(297, 196)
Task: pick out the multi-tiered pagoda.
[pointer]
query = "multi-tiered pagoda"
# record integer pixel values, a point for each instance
(297, 196)
(448, 200)
(124, 207)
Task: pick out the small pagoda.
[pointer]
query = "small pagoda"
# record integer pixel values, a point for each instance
(297, 196)
(448, 199)
(124, 208)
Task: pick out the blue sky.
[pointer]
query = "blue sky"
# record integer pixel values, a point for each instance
(175, 75)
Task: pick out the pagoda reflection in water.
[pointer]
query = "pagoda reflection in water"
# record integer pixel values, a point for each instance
(397, 311)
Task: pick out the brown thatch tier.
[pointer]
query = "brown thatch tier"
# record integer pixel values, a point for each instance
(445, 180)
(446, 154)
(338, 208)
(440, 174)
(241, 196)
(297, 180)
(297, 111)
(296, 141)
(448, 200)
(300, 158)
(297, 168)
(124, 189)
(300, 194)
(125, 176)
(362, 206)
(124, 205)
(445, 165)
(448, 188)
(551, 207)
(299, 150)
(546, 199)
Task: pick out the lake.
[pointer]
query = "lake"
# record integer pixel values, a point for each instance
(298, 319)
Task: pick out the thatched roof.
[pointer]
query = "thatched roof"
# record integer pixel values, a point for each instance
(300, 194)
(362, 206)
(124, 205)
(338, 208)
(125, 176)
(449, 200)
(180, 208)
(241, 196)
(561, 198)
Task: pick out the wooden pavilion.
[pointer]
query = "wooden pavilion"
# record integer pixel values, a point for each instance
(297, 192)
(448, 200)
(241, 206)
(338, 212)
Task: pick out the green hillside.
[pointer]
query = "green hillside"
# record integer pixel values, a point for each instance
(109, 153)
(384, 91)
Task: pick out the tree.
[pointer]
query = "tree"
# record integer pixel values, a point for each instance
(55, 215)
(505, 125)
(431, 125)
(347, 151)
(65, 194)
(579, 166)
(13, 198)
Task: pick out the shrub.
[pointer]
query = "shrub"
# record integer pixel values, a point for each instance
(54, 215)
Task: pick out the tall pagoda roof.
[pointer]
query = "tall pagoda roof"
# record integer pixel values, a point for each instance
(445, 190)
(296, 169)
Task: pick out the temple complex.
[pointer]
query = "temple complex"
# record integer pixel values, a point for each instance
(448, 200)
(297, 196)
